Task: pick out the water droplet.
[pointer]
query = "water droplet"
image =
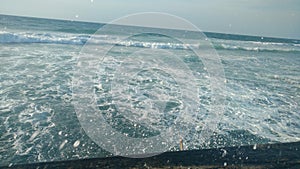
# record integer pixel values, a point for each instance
(63, 144)
(33, 135)
(198, 128)
(254, 147)
(224, 152)
(76, 143)
(99, 87)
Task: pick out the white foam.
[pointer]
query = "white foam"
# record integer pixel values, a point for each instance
(81, 39)
(75, 39)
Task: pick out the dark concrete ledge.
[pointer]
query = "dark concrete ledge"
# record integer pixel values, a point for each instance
(283, 155)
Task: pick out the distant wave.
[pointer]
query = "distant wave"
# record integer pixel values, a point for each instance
(25, 37)
(298, 45)
(254, 48)
(75, 39)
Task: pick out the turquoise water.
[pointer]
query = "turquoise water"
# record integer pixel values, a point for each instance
(39, 123)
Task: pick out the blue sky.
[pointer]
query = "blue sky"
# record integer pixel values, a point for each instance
(275, 18)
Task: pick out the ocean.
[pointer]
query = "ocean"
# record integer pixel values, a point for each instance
(40, 122)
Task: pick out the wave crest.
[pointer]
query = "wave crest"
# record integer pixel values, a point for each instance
(7, 37)
(25, 37)
(75, 39)
(256, 48)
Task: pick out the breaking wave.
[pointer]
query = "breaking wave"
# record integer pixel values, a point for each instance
(255, 48)
(75, 39)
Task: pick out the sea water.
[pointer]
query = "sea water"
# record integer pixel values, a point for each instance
(39, 122)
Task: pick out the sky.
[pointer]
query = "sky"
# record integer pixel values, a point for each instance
(273, 18)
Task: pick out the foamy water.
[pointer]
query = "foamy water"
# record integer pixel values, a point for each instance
(39, 122)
